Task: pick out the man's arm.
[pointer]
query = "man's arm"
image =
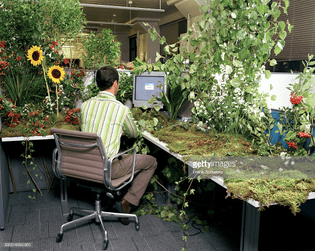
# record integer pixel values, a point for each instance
(129, 126)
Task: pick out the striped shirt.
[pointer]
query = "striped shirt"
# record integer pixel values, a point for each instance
(109, 118)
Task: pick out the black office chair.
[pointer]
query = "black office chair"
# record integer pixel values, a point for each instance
(81, 156)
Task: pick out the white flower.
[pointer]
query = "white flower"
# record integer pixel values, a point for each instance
(233, 15)
(286, 163)
(292, 163)
(238, 171)
(280, 169)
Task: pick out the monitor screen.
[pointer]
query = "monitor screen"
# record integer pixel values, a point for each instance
(145, 86)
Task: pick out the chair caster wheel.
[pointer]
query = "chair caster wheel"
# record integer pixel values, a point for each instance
(137, 226)
(59, 238)
(70, 217)
(105, 244)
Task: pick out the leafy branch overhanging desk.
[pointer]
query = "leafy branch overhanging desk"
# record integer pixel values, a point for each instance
(250, 214)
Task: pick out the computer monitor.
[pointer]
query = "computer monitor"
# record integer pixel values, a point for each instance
(146, 85)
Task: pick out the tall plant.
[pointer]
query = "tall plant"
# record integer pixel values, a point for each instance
(100, 49)
(229, 49)
(31, 22)
(297, 122)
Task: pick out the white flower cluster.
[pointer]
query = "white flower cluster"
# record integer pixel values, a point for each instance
(26, 110)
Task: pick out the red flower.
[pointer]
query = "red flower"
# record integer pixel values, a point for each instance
(304, 135)
(66, 61)
(295, 99)
(292, 144)
(18, 58)
(54, 43)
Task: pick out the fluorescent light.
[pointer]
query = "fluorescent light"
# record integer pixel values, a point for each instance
(120, 7)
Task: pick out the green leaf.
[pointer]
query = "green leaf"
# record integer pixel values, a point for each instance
(153, 36)
(186, 78)
(202, 24)
(158, 56)
(191, 95)
(273, 97)
(277, 49)
(273, 62)
(155, 121)
(167, 49)
(203, 95)
(283, 35)
(290, 27)
(281, 25)
(267, 74)
(162, 40)
(237, 63)
(235, 82)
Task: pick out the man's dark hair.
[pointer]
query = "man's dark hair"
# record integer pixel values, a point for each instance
(105, 77)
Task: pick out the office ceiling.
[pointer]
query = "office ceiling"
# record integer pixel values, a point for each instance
(117, 14)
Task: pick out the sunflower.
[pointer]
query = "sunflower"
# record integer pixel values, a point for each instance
(56, 73)
(35, 54)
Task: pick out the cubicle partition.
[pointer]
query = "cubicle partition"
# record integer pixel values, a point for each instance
(4, 185)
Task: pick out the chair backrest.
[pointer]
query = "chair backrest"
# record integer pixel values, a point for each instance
(80, 155)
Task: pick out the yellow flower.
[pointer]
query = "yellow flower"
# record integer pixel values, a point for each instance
(56, 73)
(35, 54)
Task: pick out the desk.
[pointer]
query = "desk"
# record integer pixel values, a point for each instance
(250, 213)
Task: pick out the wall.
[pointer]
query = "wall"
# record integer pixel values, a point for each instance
(280, 82)
(124, 47)
(170, 32)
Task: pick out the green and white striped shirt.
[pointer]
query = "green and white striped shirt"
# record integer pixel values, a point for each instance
(109, 118)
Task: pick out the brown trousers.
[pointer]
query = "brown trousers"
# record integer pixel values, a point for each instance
(144, 167)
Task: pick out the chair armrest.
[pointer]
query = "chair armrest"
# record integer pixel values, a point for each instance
(109, 183)
(56, 163)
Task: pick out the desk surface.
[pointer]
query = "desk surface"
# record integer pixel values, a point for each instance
(217, 179)
(13, 139)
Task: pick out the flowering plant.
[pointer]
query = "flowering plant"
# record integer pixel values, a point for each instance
(9, 112)
(72, 88)
(72, 116)
(295, 99)
(297, 122)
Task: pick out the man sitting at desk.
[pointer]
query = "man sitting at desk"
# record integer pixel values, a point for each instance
(109, 118)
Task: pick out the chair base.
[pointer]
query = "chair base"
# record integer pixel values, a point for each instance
(97, 215)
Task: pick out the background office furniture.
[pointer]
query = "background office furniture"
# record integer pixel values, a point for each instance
(81, 156)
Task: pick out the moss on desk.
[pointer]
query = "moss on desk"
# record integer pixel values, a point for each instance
(286, 192)
(193, 141)
(23, 130)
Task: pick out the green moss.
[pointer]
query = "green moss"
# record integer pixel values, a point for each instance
(21, 129)
(286, 192)
(191, 141)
